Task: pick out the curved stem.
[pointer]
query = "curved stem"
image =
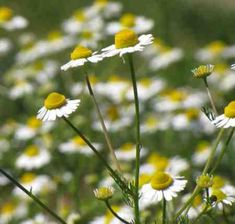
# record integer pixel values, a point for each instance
(106, 135)
(138, 144)
(223, 151)
(207, 166)
(115, 214)
(210, 97)
(33, 197)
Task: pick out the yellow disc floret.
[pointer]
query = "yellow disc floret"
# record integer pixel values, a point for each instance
(27, 178)
(229, 111)
(219, 194)
(32, 151)
(203, 71)
(218, 182)
(125, 38)
(80, 52)
(205, 181)
(103, 193)
(127, 147)
(5, 14)
(79, 141)
(8, 208)
(34, 123)
(128, 20)
(161, 181)
(54, 100)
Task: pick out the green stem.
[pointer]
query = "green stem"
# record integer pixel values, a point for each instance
(208, 164)
(210, 97)
(163, 209)
(33, 197)
(201, 214)
(223, 151)
(138, 144)
(106, 135)
(115, 214)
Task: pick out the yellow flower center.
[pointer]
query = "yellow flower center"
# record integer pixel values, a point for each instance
(203, 71)
(54, 35)
(218, 182)
(86, 35)
(54, 100)
(205, 181)
(101, 2)
(144, 179)
(38, 65)
(151, 122)
(8, 208)
(34, 123)
(80, 52)
(197, 201)
(103, 193)
(79, 15)
(229, 111)
(220, 195)
(216, 47)
(32, 151)
(127, 147)
(146, 82)
(27, 178)
(78, 141)
(192, 114)
(161, 163)
(161, 181)
(202, 146)
(5, 14)
(177, 95)
(125, 38)
(128, 20)
(112, 113)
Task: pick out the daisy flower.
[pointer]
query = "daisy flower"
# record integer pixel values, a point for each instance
(33, 157)
(56, 105)
(227, 119)
(162, 185)
(80, 56)
(139, 24)
(126, 41)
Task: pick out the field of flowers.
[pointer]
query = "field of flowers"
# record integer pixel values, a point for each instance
(117, 112)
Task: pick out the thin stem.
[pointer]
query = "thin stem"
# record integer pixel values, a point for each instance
(34, 198)
(138, 144)
(163, 209)
(106, 135)
(208, 164)
(210, 97)
(115, 214)
(223, 151)
(213, 151)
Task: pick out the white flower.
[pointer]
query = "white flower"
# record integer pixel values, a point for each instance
(80, 56)
(33, 158)
(56, 105)
(227, 119)
(5, 46)
(161, 185)
(126, 41)
(233, 66)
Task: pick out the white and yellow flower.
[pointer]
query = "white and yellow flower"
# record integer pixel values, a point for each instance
(139, 24)
(33, 157)
(80, 56)
(56, 105)
(161, 185)
(126, 41)
(227, 119)
(77, 145)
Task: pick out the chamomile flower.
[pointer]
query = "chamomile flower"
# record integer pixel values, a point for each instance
(5, 46)
(201, 153)
(126, 41)
(56, 105)
(127, 152)
(139, 24)
(38, 184)
(227, 119)
(77, 145)
(33, 157)
(80, 56)
(233, 66)
(20, 89)
(9, 21)
(162, 185)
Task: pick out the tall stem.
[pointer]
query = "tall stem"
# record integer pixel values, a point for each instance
(33, 197)
(163, 209)
(138, 144)
(223, 151)
(207, 166)
(106, 135)
(210, 97)
(115, 214)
